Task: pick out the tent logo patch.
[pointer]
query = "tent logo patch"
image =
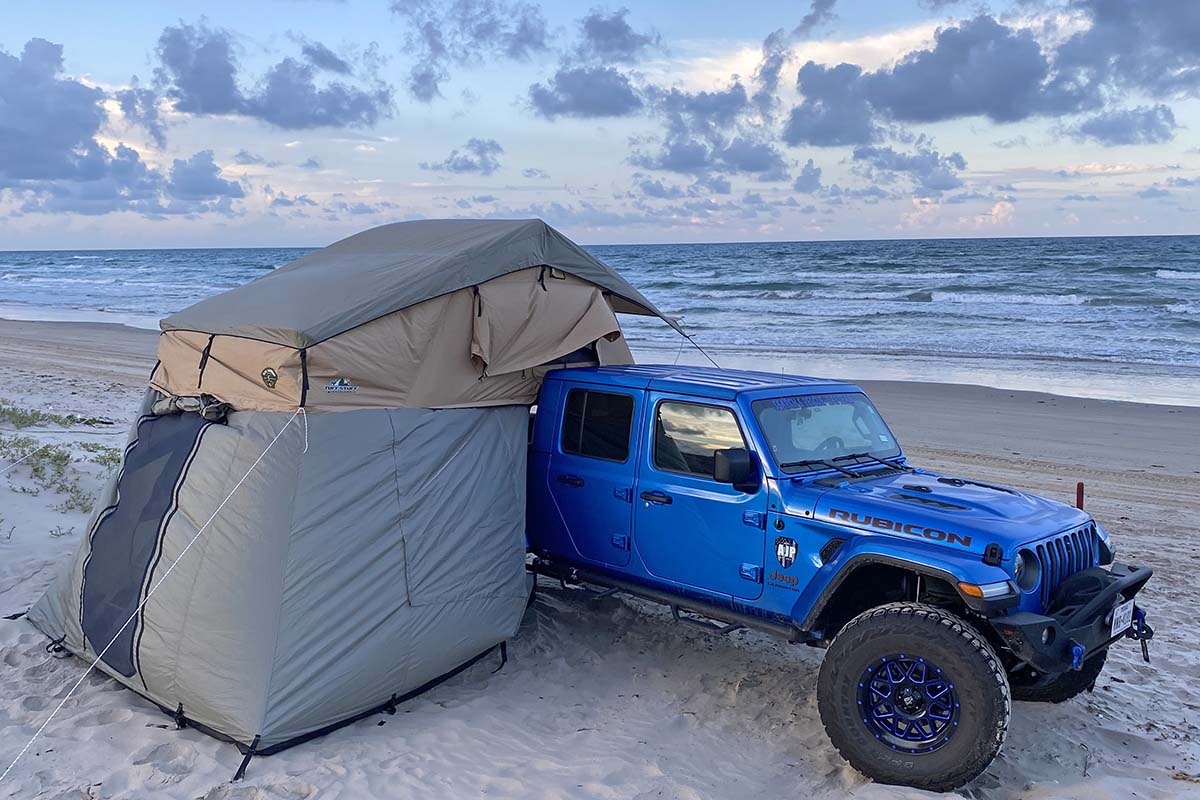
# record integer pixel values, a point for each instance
(340, 385)
(270, 377)
(785, 551)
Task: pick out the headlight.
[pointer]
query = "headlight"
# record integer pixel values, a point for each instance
(1027, 570)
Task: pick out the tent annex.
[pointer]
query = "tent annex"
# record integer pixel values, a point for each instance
(378, 545)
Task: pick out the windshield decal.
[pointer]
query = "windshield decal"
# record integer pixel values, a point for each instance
(810, 400)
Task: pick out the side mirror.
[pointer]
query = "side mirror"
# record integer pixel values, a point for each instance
(735, 466)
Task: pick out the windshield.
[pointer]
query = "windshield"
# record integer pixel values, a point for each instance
(823, 427)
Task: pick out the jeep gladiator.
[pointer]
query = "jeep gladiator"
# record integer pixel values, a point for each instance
(785, 504)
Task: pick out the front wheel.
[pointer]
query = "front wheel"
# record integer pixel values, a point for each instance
(910, 694)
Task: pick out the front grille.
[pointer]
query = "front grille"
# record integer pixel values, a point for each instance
(1064, 555)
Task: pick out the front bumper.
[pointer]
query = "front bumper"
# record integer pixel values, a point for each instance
(1054, 643)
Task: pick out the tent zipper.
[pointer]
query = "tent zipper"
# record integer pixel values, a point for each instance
(304, 377)
(204, 360)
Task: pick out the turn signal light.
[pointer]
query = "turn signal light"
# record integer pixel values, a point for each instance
(987, 591)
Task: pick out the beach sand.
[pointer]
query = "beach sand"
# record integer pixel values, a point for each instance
(610, 699)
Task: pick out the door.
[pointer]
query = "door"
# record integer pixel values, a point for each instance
(688, 527)
(591, 473)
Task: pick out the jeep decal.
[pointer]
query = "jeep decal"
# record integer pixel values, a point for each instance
(899, 527)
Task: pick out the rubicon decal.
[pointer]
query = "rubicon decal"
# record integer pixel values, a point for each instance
(899, 527)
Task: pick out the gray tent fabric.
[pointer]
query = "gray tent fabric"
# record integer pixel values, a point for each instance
(391, 267)
(332, 579)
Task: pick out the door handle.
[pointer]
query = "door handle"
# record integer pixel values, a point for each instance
(571, 480)
(658, 498)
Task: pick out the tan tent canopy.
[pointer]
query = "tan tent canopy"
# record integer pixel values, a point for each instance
(428, 314)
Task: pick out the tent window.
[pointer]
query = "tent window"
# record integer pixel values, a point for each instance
(597, 424)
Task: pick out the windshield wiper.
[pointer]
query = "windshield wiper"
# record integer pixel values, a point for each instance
(876, 459)
(820, 461)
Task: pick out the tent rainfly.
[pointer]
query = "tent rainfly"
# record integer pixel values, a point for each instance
(379, 546)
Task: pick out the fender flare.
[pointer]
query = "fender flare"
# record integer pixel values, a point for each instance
(858, 560)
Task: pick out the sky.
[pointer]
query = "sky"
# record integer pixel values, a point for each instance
(298, 122)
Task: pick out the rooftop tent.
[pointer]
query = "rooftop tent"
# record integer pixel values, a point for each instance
(379, 544)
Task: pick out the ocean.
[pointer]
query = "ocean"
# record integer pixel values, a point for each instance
(1115, 318)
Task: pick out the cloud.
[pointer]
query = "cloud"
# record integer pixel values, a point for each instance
(653, 187)
(931, 172)
(462, 32)
(198, 70)
(52, 161)
(1011, 142)
(704, 135)
(1148, 48)
(1154, 192)
(50, 122)
(834, 111)
(198, 180)
(246, 159)
(322, 57)
(140, 107)
(609, 38)
(477, 155)
(982, 67)
(312, 162)
(809, 179)
(589, 91)
(282, 200)
(1081, 198)
(819, 12)
(978, 68)
(1183, 183)
(1142, 125)
(535, 172)
(775, 52)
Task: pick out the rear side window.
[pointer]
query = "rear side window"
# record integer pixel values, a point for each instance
(687, 436)
(597, 424)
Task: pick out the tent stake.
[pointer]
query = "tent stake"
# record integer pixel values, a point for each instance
(241, 770)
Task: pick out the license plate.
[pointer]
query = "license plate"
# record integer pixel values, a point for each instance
(1122, 618)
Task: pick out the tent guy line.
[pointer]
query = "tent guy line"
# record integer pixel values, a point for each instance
(25, 457)
(170, 569)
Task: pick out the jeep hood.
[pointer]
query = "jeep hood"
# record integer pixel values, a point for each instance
(936, 508)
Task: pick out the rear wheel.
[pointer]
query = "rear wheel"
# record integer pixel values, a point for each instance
(1034, 688)
(910, 694)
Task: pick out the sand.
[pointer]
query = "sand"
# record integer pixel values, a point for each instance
(610, 699)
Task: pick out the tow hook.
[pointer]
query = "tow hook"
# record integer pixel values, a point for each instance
(1076, 656)
(1141, 632)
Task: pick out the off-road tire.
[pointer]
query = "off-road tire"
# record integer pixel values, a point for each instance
(966, 658)
(1062, 687)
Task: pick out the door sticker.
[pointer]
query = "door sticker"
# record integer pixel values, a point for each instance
(785, 551)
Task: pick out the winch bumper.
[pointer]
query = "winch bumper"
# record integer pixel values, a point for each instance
(1062, 641)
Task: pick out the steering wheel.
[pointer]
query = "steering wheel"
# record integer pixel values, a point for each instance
(832, 443)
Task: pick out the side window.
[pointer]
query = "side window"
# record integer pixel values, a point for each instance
(687, 435)
(597, 424)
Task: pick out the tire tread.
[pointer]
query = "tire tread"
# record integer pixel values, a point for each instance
(956, 626)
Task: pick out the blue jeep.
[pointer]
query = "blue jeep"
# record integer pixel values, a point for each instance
(785, 504)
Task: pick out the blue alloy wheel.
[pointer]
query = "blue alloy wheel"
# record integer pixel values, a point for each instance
(908, 703)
